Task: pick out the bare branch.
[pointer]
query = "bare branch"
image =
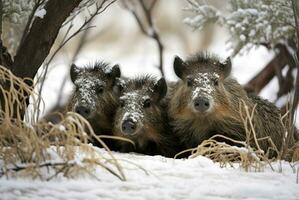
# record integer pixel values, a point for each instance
(37, 4)
(43, 32)
(1, 13)
(152, 5)
(5, 57)
(138, 20)
(151, 31)
(17, 168)
(258, 82)
(296, 94)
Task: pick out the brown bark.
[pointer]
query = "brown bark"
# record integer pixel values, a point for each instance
(258, 82)
(5, 58)
(38, 42)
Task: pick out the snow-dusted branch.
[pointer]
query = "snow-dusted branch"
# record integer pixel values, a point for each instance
(204, 15)
(39, 40)
(250, 23)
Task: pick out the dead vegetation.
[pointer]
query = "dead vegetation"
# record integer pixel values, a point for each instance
(247, 154)
(28, 148)
(44, 150)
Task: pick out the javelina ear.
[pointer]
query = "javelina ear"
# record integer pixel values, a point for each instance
(74, 72)
(118, 86)
(115, 72)
(160, 89)
(226, 67)
(179, 66)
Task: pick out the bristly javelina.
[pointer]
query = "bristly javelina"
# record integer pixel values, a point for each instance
(94, 97)
(142, 119)
(206, 101)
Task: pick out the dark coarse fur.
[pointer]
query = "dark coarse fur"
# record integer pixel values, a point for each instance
(140, 102)
(205, 76)
(94, 91)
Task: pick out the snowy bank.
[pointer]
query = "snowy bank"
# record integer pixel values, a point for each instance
(157, 177)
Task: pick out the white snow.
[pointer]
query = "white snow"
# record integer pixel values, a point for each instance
(86, 90)
(108, 69)
(197, 178)
(162, 178)
(40, 13)
(243, 38)
(133, 106)
(204, 84)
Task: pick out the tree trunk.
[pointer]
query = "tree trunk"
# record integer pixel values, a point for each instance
(38, 42)
(258, 82)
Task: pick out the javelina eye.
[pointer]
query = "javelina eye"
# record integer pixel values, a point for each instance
(216, 82)
(120, 87)
(99, 90)
(147, 103)
(189, 82)
(121, 103)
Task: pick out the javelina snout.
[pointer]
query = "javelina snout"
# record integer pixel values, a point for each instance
(132, 112)
(128, 126)
(83, 110)
(203, 88)
(201, 104)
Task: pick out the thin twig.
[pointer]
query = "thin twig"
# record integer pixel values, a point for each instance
(1, 13)
(1, 53)
(297, 180)
(296, 94)
(18, 168)
(151, 31)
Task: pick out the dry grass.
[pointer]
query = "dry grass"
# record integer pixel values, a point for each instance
(248, 154)
(43, 150)
(290, 148)
(226, 155)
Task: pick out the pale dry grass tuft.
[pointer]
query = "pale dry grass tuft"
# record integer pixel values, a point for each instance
(248, 154)
(44, 150)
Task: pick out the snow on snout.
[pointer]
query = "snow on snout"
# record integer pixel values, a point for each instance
(133, 107)
(204, 84)
(87, 91)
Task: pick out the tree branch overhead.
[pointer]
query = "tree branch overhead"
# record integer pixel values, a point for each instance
(39, 40)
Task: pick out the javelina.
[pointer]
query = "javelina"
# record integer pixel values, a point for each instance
(94, 97)
(142, 118)
(206, 101)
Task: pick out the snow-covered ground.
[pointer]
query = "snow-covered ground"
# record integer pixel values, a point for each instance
(162, 178)
(197, 178)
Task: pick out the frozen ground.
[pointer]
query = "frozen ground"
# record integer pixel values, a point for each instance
(165, 178)
(197, 178)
